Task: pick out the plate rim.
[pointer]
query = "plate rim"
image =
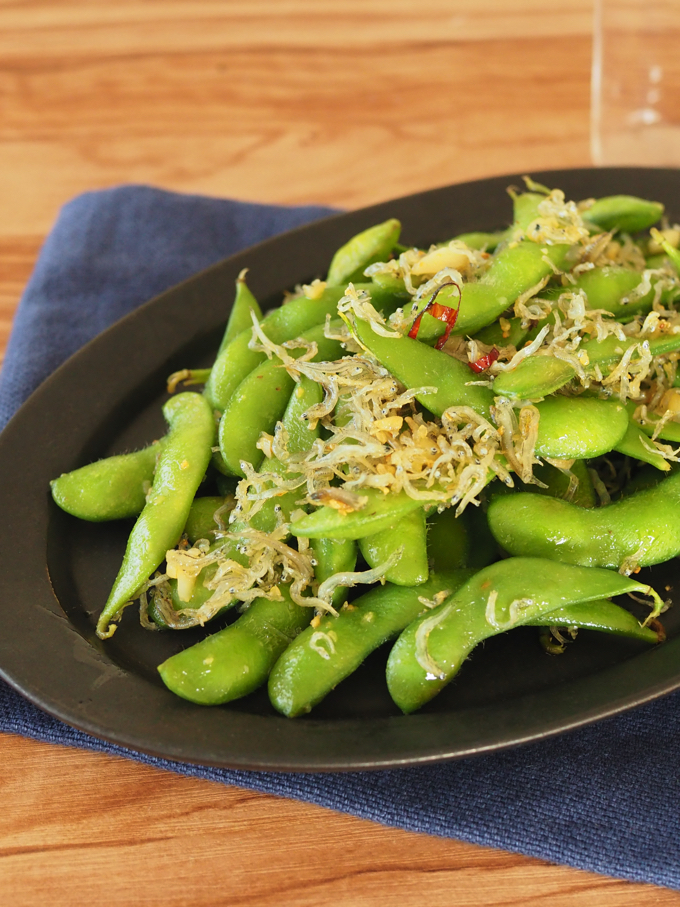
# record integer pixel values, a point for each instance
(87, 663)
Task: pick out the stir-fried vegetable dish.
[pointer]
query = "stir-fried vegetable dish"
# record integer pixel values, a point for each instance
(428, 447)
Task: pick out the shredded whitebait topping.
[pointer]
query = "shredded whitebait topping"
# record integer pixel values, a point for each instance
(375, 436)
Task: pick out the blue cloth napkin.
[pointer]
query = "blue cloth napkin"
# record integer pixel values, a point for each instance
(604, 798)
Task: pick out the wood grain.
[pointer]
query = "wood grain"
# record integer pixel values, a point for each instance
(83, 27)
(345, 102)
(266, 118)
(130, 835)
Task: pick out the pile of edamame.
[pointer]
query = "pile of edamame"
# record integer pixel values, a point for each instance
(480, 434)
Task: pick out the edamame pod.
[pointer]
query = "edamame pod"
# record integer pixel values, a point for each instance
(240, 316)
(497, 334)
(525, 208)
(561, 433)
(578, 428)
(537, 376)
(623, 212)
(639, 530)
(574, 485)
(321, 657)
(514, 270)
(460, 541)
(380, 511)
(299, 434)
(534, 378)
(364, 249)
(334, 556)
(408, 535)
(626, 213)
(418, 365)
(669, 432)
(507, 594)
(609, 288)
(260, 401)
(237, 360)
(300, 437)
(386, 282)
(601, 615)
(237, 660)
(636, 444)
(484, 242)
(181, 467)
(207, 515)
(114, 488)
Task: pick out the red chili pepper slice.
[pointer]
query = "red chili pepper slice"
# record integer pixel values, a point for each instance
(483, 363)
(444, 313)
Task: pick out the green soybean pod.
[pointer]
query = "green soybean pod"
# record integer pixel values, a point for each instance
(334, 556)
(237, 360)
(579, 428)
(300, 438)
(538, 376)
(671, 252)
(380, 511)
(114, 488)
(563, 433)
(640, 529)
(180, 470)
(514, 270)
(483, 242)
(259, 402)
(609, 288)
(496, 335)
(364, 249)
(322, 656)
(448, 541)
(460, 541)
(611, 348)
(200, 593)
(604, 616)
(533, 378)
(208, 515)
(408, 535)
(636, 444)
(574, 485)
(669, 432)
(417, 365)
(507, 594)
(240, 317)
(236, 661)
(525, 208)
(385, 281)
(623, 212)
(240, 320)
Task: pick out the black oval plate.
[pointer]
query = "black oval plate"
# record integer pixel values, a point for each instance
(57, 571)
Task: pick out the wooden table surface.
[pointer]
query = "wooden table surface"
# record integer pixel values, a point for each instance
(345, 102)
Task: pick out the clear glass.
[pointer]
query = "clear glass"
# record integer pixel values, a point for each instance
(636, 83)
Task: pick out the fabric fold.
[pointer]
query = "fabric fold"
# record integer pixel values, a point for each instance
(604, 798)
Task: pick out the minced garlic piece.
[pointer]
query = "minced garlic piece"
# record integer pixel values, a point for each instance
(315, 289)
(435, 261)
